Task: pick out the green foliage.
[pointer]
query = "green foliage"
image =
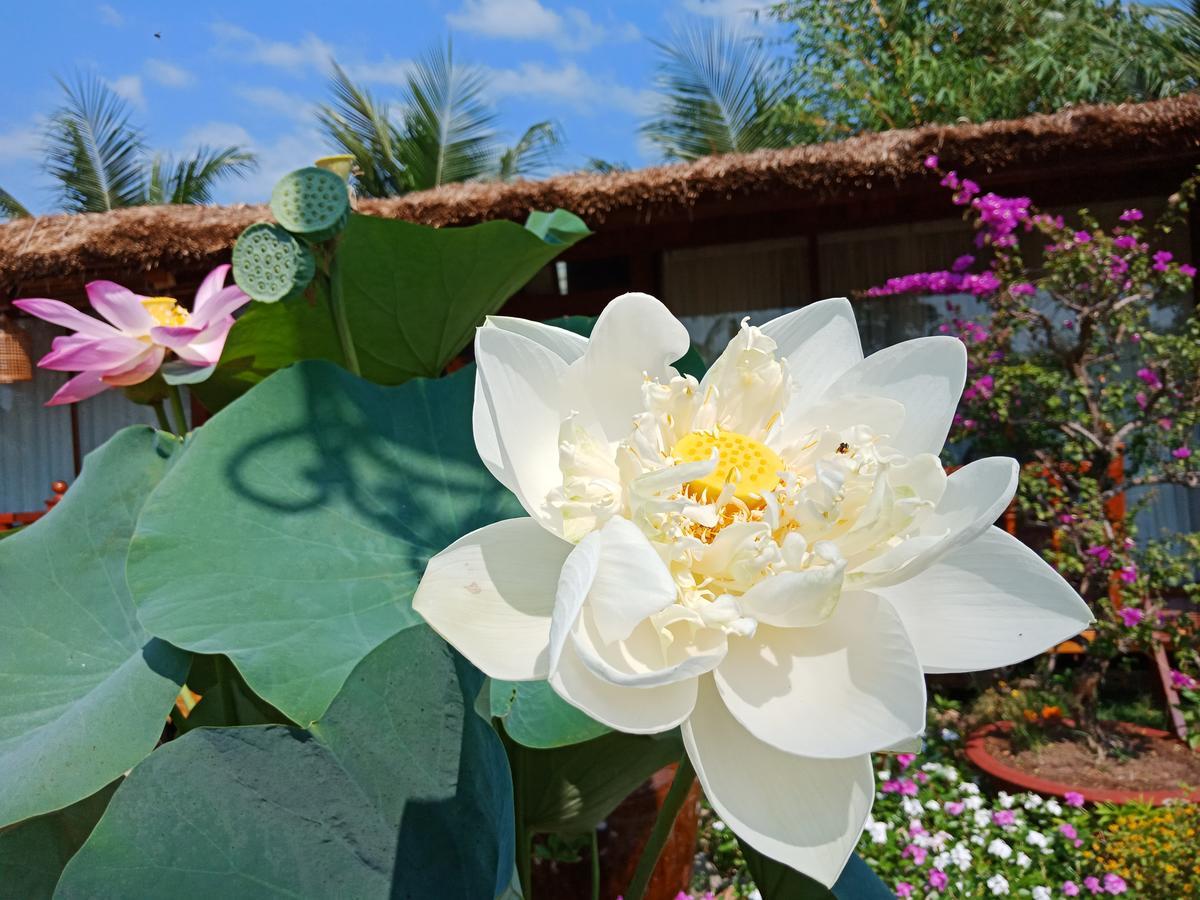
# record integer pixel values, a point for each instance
(270, 264)
(11, 208)
(86, 687)
(399, 790)
(99, 157)
(870, 65)
(441, 131)
(314, 503)
(719, 94)
(33, 853)
(412, 294)
(535, 716)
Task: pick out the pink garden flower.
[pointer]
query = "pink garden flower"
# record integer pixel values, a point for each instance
(1074, 798)
(938, 880)
(1092, 883)
(955, 808)
(1070, 889)
(135, 335)
(1181, 452)
(1131, 215)
(1183, 680)
(905, 760)
(904, 889)
(1004, 817)
(1131, 617)
(1114, 884)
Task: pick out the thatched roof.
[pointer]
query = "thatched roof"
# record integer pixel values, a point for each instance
(74, 248)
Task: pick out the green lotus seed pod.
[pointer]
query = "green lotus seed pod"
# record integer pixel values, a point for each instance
(270, 264)
(312, 203)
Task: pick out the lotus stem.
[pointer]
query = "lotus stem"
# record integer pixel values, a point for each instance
(680, 786)
(595, 865)
(340, 323)
(164, 424)
(181, 425)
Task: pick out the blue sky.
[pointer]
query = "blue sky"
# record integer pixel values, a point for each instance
(249, 73)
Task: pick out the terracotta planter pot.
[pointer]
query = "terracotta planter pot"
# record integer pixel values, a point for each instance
(621, 842)
(1019, 780)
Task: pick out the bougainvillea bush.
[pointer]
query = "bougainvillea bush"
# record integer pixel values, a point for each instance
(1084, 362)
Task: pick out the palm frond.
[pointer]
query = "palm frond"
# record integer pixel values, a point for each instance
(718, 91)
(192, 180)
(532, 154)
(93, 150)
(156, 187)
(449, 133)
(361, 126)
(597, 166)
(11, 208)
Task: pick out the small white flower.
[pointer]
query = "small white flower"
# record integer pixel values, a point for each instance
(969, 787)
(1032, 801)
(942, 860)
(998, 885)
(1041, 892)
(754, 895)
(1053, 807)
(1037, 839)
(973, 803)
(933, 805)
(982, 818)
(1022, 860)
(978, 839)
(885, 774)
(878, 832)
(718, 825)
(911, 806)
(1000, 849)
(949, 734)
(961, 856)
(1006, 800)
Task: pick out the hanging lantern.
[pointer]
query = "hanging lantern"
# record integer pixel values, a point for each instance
(15, 362)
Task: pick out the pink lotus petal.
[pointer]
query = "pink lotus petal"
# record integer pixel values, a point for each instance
(225, 301)
(76, 355)
(175, 337)
(67, 316)
(145, 365)
(82, 386)
(206, 349)
(213, 282)
(120, 306)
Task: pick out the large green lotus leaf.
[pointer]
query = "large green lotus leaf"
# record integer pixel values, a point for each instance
(413, 296)
(775, 881)
(292, 533)
(535, 716)
(86, 690)
(400, 790)
(570, 790)
(33, 853)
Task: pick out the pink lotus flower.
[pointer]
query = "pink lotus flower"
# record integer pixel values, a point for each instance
(130, 343)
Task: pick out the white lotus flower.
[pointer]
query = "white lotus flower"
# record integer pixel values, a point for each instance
(770, 558)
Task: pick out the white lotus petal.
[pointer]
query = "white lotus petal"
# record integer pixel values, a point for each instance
(635, 710)
(567, 345)
(641, 659)
(820, 342)
(974, 497)
(520, 382)
(635, 337)
(912, 744)
(574, 582)
(795, 599)
(805, 813)
(993, 602)
(631, 581)
(850, 685)
(926, 375)
(490, 594)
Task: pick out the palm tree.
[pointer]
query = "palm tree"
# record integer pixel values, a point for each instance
(442, 131)
(100, 160)
(10, 207)
(719, 94)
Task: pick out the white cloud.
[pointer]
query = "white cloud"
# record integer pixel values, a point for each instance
(129, 87)
(383, 71)
(568, 85)
(736, 12)
(168, 74)
(528, 20)
(21, 143)
(277, 156)
(110, 16)
(308, 52)
(282, 103)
